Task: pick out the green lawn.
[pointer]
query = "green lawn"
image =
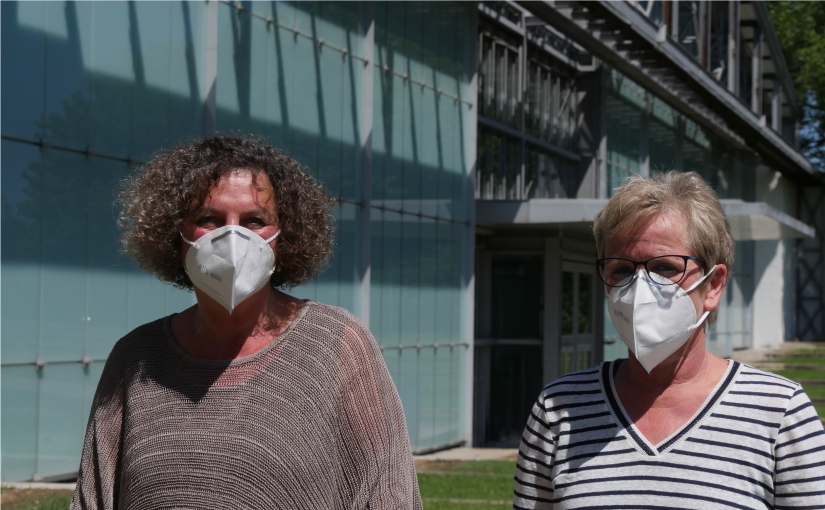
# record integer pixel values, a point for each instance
(35, 499)
(801, 360)
(474, 485)
(802, 375)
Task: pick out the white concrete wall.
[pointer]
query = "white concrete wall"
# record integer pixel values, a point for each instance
(774, 296)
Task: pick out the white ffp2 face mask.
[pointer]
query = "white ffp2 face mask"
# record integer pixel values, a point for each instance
(654, 320)
(230, 263)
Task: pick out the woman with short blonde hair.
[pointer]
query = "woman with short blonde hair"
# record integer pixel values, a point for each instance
(671, 426)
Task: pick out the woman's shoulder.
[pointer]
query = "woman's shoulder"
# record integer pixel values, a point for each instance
(765, 382)
(333, 316)
(345, 326)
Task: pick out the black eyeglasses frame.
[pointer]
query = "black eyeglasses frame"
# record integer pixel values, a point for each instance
(599, 265)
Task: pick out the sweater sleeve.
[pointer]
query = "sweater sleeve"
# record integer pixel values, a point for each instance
(99, 472)
(374, 447)
(799, 476)
(533, 484)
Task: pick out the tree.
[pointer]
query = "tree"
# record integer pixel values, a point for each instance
(800, 28)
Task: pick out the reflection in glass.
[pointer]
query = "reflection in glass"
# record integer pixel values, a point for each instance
(566, 361)
(585, 303)
(567, 291)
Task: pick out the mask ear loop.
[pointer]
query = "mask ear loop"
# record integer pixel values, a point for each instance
(266, 243)
(699, 282)
(187, 241)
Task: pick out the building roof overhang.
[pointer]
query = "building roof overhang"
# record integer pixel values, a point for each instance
(749, 221)
(675, 77)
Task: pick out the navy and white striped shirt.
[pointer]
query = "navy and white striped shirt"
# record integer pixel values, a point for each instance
(757, 442)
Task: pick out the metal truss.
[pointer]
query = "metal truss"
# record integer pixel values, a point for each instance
(625, 37)
(810, 273)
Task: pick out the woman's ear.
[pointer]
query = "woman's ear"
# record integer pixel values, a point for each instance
(715, 286)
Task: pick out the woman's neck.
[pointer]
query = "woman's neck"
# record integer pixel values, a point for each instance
(207, 330)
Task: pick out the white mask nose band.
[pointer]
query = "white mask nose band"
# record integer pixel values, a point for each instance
(196, 244)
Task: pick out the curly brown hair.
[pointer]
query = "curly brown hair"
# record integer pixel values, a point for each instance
(156, 200)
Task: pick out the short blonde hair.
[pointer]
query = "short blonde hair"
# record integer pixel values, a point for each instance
(640, 199)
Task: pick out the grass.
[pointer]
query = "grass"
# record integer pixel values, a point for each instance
(820, 361)
(476, 485)
(802, 375)
(35, 499)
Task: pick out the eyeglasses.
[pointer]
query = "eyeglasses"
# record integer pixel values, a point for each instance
(664, 270)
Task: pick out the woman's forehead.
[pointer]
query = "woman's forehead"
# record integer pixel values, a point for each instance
(654, 236)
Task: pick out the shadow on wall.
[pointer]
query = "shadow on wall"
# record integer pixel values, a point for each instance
(105, 84)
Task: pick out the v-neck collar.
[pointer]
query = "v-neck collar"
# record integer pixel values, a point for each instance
(606, 381)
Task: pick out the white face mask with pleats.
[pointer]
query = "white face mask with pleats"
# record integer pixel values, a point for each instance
(230, 263)
(654, 319)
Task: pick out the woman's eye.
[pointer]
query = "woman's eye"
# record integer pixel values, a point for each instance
(256, 222)
(207, 220)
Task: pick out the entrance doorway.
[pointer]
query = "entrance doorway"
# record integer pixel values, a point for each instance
(508, 367)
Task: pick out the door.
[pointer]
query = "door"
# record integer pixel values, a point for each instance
(578, 285)
(509, 350)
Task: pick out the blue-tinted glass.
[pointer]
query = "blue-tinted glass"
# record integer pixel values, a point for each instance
(62, 421)
(427, 282)
(431, 157)
(381, 128)
(21, 225)
(19, 421)
(146, 298)
(351, 130)
(426, 397)
(280, 78)
(304, 107)
(68, 58)
(306, 14)
(177, 300)
(23, 55)
(186, 87)
(387, 227)
(410, 279)
(64, 317)
(114, 68)
(414, 22)
(397, 115)
(443, 395)
(234, 68)
(330, 66)
(151, 103)
(347, 254)
(412, 164)
(464, 150)
(450, 174)
(446, 311)
(459, 408)
(108, 276)
(408, 384)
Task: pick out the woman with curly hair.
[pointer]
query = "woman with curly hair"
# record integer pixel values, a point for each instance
(251, 398)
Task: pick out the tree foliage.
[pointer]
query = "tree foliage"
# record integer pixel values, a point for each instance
(800, 28)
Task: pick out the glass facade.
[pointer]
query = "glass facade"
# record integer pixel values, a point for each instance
(382, 116)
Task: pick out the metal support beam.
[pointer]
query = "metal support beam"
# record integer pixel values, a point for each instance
(364, 129)
(776, 107)
(733, 47)
(756, 71)
(210, 68)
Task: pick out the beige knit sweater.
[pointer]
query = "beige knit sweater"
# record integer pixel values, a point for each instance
(311, 421)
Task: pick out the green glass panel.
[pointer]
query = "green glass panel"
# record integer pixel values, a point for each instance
(19, 422)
